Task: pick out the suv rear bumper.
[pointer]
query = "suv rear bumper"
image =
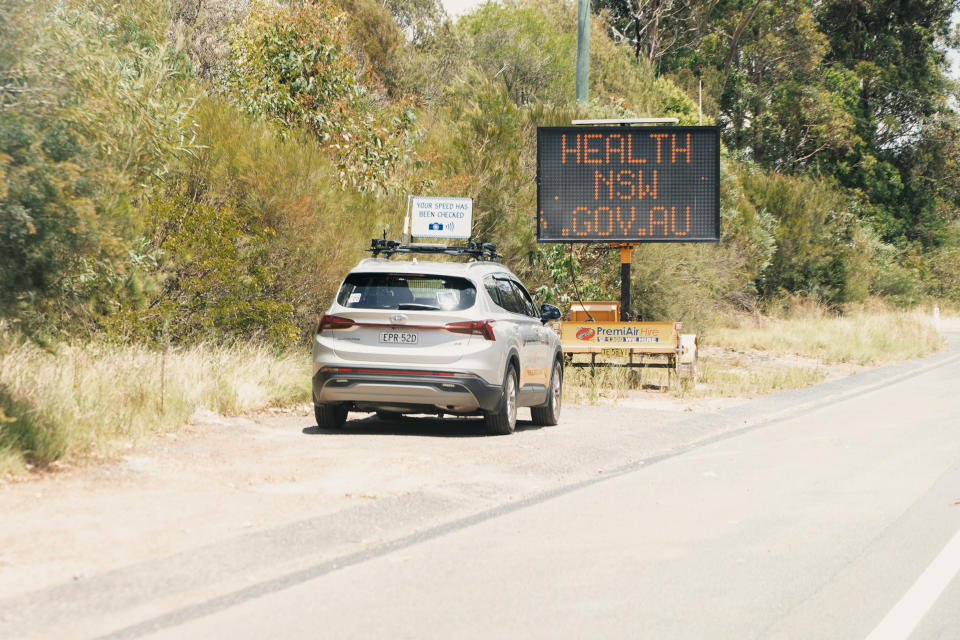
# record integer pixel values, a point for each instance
(404, 389)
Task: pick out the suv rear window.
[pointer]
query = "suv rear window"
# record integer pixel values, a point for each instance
(406, 292)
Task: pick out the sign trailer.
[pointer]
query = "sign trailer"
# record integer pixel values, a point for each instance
(625, 186)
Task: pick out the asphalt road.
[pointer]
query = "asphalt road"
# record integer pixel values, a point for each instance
(841, 522)
(830, 512)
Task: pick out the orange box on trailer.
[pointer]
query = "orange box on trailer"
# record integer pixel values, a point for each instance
(592, 328)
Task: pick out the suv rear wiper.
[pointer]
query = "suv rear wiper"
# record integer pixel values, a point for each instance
(413, 306)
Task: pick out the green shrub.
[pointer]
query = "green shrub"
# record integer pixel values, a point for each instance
(814, 236)
(254, 234)
(517, 44)
(293, 66)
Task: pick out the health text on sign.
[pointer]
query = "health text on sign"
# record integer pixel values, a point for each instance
(618, 184)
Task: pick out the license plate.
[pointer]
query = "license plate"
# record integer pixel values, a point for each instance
(398, 337)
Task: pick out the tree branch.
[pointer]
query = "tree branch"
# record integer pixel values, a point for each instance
(735, 39)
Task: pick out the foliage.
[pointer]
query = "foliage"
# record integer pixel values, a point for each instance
(528, 47)
(664, 30)
(855, 91)
(811, 236)
(776, 102)
(509, 42)
(293, 66)
(48, 222)
(94, 108)
(575, 273)
(249, 235)
(218, 282)
(940, 268)
(183, 170)
(376, 41)
(199, 29)
(418, 19)
(904, 126)
(896, 49)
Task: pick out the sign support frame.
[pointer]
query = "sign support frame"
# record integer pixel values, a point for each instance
(406, 220)
(626, 261)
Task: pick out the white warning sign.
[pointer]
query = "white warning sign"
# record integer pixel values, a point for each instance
(441, 217)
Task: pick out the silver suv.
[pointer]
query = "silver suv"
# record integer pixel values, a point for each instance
(436, 337)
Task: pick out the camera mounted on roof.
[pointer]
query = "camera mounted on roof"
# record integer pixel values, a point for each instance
(479, 251)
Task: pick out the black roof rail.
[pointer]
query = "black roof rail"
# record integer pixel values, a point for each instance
(479, 251)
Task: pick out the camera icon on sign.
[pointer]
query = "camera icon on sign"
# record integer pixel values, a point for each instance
(435, 226)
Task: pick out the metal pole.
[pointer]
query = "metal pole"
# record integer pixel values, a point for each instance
(626, 258)
(700, 102)
(583, 49)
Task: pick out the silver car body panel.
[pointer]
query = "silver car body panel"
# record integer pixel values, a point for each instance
(519, 337)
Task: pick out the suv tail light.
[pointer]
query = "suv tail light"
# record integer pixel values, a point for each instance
(334, 322)
(483, 328)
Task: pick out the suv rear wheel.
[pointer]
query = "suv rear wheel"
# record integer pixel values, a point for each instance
(548, 414)
(503, 419)
(330, 416)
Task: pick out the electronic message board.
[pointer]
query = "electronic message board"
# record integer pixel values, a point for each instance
(628, 184)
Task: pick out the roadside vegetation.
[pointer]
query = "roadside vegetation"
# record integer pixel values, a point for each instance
(88, 401)
(186, 176)
(860, 336)
(802, 343)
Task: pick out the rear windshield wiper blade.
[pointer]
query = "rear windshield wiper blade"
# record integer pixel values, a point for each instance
(413, 306)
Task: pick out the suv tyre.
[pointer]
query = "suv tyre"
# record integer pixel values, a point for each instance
(503, 419)
(330, 416)
(548, 414)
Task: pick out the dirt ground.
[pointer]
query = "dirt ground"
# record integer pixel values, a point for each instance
(223, 476)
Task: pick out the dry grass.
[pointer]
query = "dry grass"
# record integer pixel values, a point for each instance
(83, 401)
(719, 377)
(864, 337)
(606, 385)
(754, 355)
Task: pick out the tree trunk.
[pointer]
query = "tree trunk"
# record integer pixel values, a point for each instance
(735, 39)
(653, 31)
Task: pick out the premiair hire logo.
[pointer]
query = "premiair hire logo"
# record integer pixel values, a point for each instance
(585, 333)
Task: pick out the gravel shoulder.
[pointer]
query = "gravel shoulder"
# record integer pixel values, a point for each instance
(222, 476)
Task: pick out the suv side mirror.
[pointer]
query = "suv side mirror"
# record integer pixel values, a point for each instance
(549, 312)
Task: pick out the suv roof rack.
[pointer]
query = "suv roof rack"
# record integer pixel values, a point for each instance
(479, 251)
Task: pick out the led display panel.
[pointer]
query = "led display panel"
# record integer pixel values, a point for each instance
(628, 184)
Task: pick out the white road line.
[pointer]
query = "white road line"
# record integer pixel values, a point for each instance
(900, 622)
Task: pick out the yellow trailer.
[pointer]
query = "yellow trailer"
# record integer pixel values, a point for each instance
(593, 330)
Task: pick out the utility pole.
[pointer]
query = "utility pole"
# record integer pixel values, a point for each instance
(583, 49)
